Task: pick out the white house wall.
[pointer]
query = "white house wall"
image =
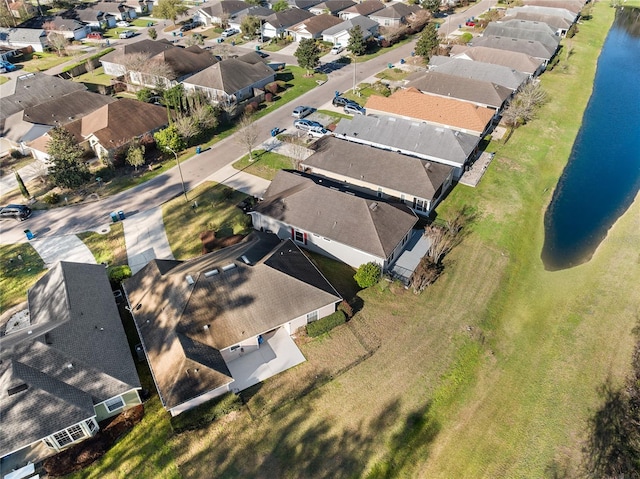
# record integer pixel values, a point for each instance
(113, 69)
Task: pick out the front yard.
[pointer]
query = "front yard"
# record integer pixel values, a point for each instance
(265, 164)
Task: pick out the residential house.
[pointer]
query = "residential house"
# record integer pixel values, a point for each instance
(303, 4)
(532, 48)
(96, 19)
(261, 13)
(65, 24)
(340, 33)
(559, 23)
(332, 7)
(279, 23)
(418, 183)
(434, 110)
(365, 8)
(220, 12)
(516, 61)
(337, 224)
(21, 9)
(141, 7)
(525, 30)
(34, 38)
(223, 321)
(314, 27)
(479, 92)
(161, 62)
(574, 6)
(122, 11)
(490, 72)
(435, 144)
(233, 80)
(395, 14)
(66, 364)
(39, 103)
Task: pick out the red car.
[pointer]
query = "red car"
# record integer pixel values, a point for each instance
(469, 23)
(94, 36)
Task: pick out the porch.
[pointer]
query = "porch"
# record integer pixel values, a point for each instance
(408, 261)
(278, 352)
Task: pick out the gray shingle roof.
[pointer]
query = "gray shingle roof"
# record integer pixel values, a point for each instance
(525, 30)
(334, 6)
(21, 35)
(460, 67)
(74, 321)
(234, 305)
(226, 7)
(365, 24)
(468, 89)
(415, 138)
(540, 10)
(367, 225)
(514, 60)
(556, 22)
(288, 17)
(574, 6)
(528, 47)
(396, 10)
(231, 75)
(367, 7)
(384, 168)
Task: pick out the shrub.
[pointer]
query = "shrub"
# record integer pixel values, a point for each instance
(117, 274)
(251, 108)
(326, 324)
(206, 413)
(272, 88)
(51, 198)
(17, 154)
(346, 308)
(367, 275)
(268, 97)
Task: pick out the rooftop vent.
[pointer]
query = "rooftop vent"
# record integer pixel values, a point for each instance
(189, 279)
(17, 389)
(213, 272)
(373, 206)
(245, 259)
(228, 267)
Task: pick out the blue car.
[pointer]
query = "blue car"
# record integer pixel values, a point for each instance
(7, 67)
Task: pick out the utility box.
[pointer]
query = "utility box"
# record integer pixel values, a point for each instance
(28, 234)
(114, 217)
(121, 215)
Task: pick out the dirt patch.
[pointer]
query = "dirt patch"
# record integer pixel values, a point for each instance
(85, 453)
(211, 243)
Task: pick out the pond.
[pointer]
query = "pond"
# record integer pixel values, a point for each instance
(602, 176)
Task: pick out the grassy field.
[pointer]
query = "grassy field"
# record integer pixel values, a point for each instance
(216, 211)
(494, 371)
(265, 164)
(21, 267)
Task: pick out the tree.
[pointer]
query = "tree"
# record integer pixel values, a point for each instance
(135, 155)
(68, 169)
(280, 6)
(169, 137)
(186, 127)
(356, 45)
(153, 33)
(427, 42)
(247, 134)
(21, 185)
(368, 274)
(170, 10)
(431, 5)
(250, 25)
(7, 19)
(205, 116)
(521, 109)
(308, 54)
(56, 41)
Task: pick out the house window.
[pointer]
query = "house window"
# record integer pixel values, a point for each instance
(48, 442)
(62, 438)
(91, 424)
(298, 236)
(419, 204)
(76, 432)
(387, 23)
(312, 316)
(114, 404)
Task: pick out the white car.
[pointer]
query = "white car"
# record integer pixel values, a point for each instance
(228, 32)
(126, 34)
(122, 24)
(337, 48)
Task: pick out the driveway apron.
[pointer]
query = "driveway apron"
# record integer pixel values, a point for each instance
(62, 248)
(146, 239)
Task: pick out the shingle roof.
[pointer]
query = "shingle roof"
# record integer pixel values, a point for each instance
(514, 60)
(468, 89)
(304, 4)
(288, 17)
(461, 67)
(365, 24)
(226, 7)
(384, 168)
(148, 48)
(184, 326)
(21, 35)
(318, 23)
(365, 8)
(529, 47)
(410, 103)
(410, 137)
(185, 61)
(334, 6)
(397, 10)
(574, 6)
(520, 29)
(231, 75)
(540, 10)
(556, 22)
(76, 356)
(367, 225)
(90, 15)
(66, 21)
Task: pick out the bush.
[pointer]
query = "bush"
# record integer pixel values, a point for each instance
(272, 88)
(326, 324)
(346, 308)
(367, 275)
(17, 154)
(117, 274)
(268, 97)
(51, 198)
(206, 413)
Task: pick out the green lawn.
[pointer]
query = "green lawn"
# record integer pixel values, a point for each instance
(96, 77)
(37, 62)
(216, 211)
(393, 74)
(107, 248)
(21, 268)
(3, 80)
(265, 164)
(365, 90)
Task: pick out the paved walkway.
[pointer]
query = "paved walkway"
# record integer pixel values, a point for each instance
(146, 239)
(62, 248)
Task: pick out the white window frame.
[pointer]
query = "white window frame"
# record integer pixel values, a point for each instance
(312, 316)
(92, 425)
(109, 403)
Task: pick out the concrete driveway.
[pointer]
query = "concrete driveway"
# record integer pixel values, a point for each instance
(62, 248)
(146, 239)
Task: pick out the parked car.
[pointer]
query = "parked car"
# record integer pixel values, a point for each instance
(318, 132)
(126, 34)
(15, 212)
(307, 125)
(354, 109)
(186, 27)
(229, 32)
(470, 23)
(94, 36)
(122, 24)
(262, 54)
(301, 111)
(337, 48)
(7, 67)
(342, 101)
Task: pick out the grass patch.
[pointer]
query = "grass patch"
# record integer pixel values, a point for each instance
(95, 77)
(274, 47)
(141, 22)
(339, 274)
(38, 62)
(204, 414)
(392, 74)
(265, 164)
(216, 211)
(336, 116)
(18, 275)
(3, 80)
(364, 91)
(107, 248)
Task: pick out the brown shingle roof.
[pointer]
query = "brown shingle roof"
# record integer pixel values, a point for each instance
(231, 75)
(365, 8)
(410, 103)
(318, 23)
(397, 10)
(515, 60)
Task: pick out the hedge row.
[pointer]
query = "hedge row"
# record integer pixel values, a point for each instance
(326, 324)
(206, 413)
